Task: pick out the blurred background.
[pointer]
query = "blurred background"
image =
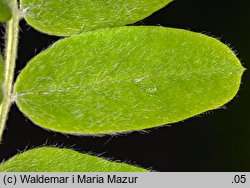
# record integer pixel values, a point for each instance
(218, 140)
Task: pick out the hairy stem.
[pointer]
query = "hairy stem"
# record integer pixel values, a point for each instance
(10, 61)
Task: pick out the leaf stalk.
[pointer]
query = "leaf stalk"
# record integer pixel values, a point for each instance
(12, 28)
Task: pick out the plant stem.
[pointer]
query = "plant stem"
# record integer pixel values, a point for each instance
(9, 65)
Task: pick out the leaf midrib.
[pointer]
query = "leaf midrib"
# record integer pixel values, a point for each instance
(135, 80)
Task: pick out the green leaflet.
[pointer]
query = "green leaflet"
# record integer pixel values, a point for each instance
(48, 159)
(65, 18)
(125, 79)
(5, 12)
(1, 78)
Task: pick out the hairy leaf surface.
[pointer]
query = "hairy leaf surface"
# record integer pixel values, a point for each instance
(64, 18)
(47, 159)
(125, 79)
(1, 78)
(5, 12)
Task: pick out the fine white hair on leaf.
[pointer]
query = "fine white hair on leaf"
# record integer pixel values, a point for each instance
(63, 159)
(77, 16)
(118, 80)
